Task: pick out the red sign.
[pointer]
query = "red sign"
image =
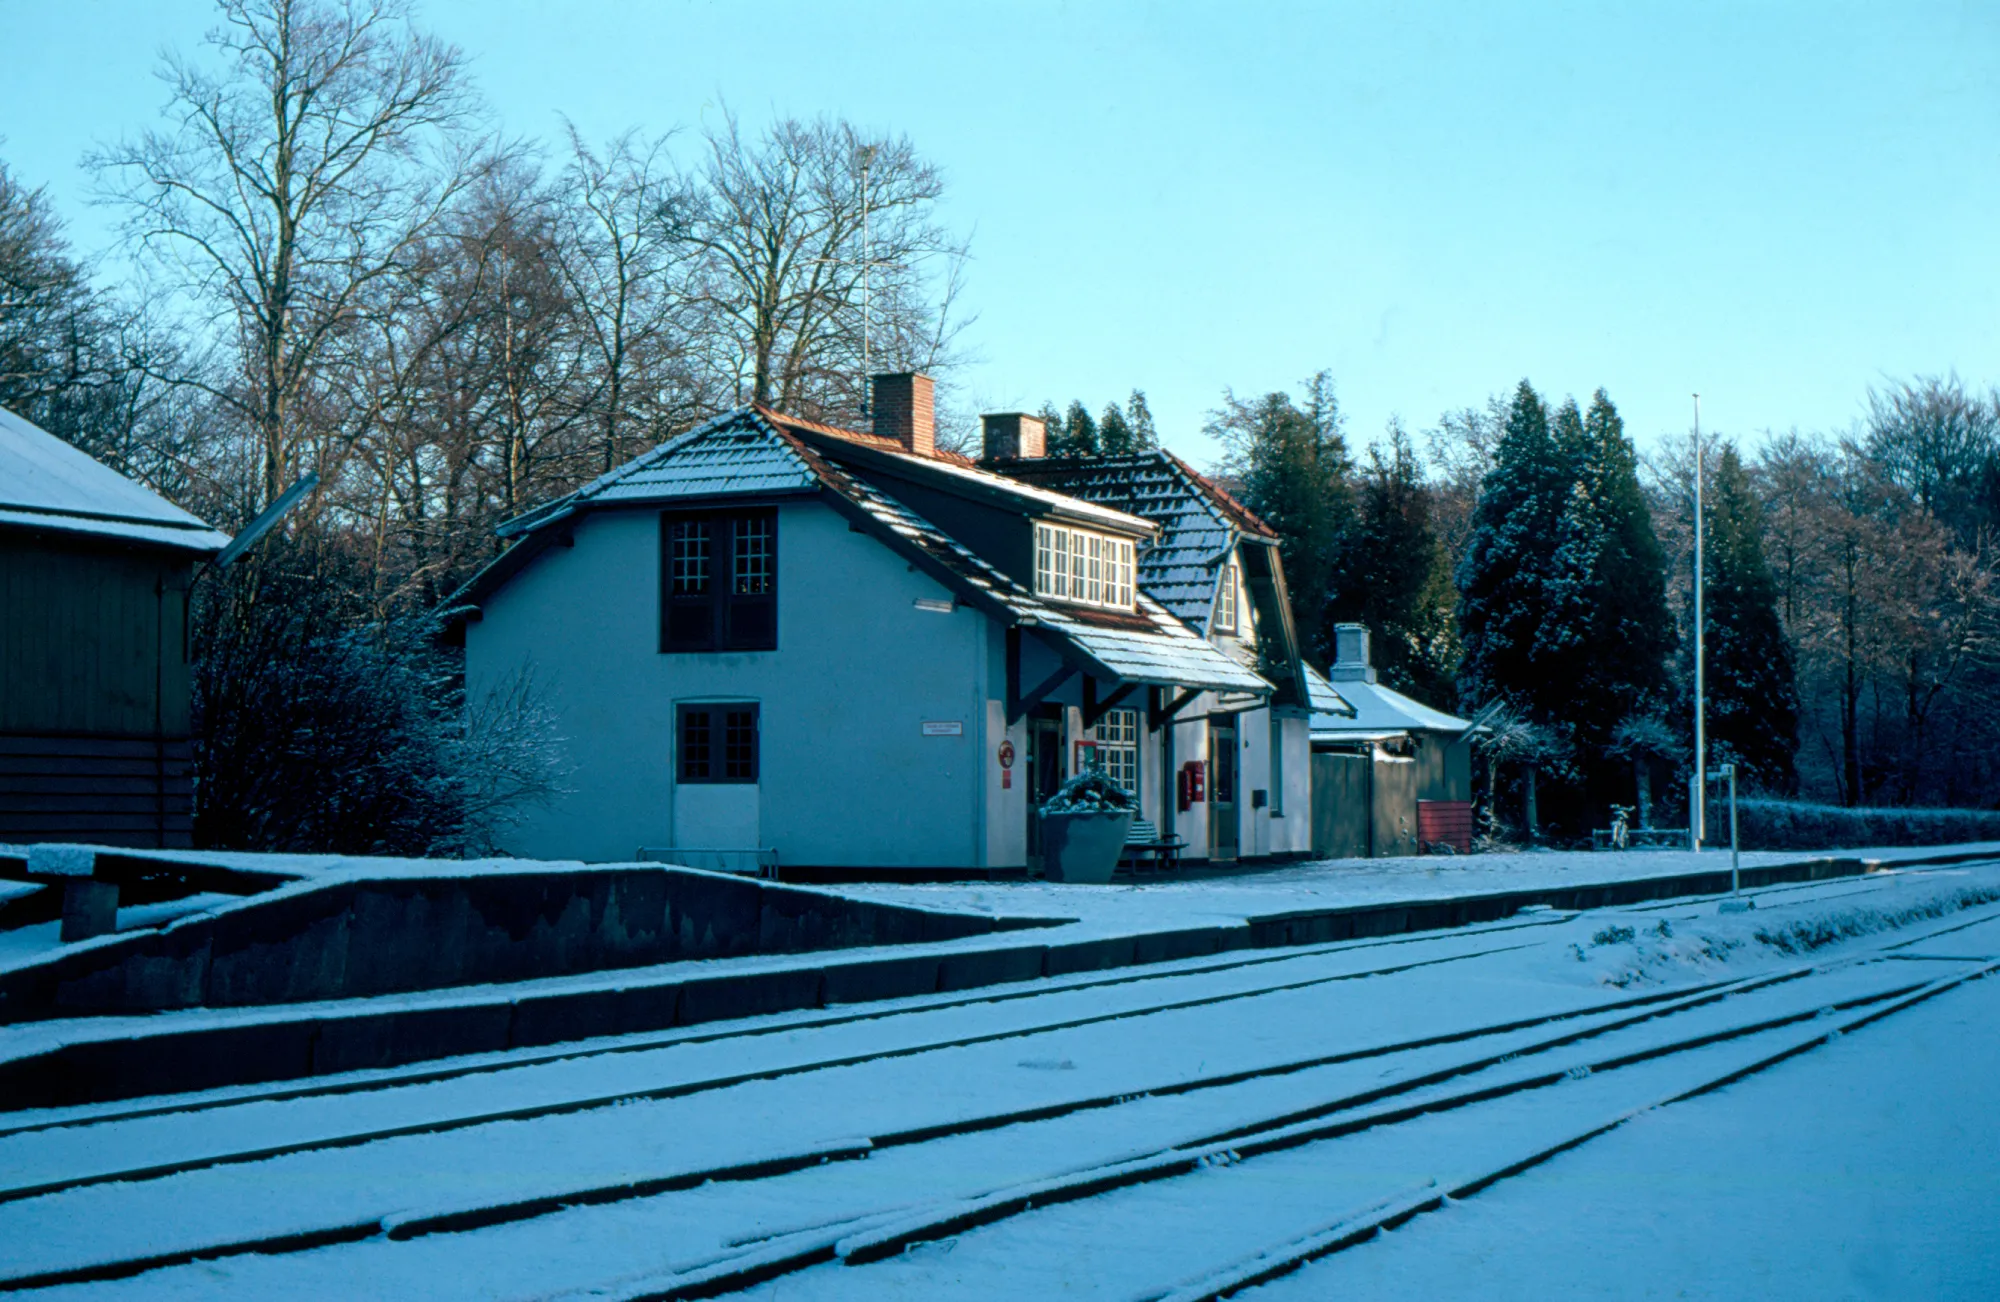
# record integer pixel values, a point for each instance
(1006, 754)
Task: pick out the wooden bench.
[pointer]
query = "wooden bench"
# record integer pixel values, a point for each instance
(1144, 842)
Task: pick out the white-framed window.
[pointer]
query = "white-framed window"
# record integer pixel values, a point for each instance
(1078, 565)
(1118, 747)
(1225, 601)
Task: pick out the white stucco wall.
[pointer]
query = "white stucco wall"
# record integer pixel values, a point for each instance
(848, 778)
(1281, 827)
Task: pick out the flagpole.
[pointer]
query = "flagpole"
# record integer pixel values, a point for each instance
(1698, 805)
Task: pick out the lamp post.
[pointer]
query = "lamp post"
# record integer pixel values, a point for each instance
(1697, 807)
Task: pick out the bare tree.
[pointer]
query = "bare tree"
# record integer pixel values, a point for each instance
(45, 298)
(790, 256)
(1460, 451)
(299, 173)
(624, 255)
(1935, 439)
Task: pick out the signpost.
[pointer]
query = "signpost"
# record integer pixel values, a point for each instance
(1735, 903)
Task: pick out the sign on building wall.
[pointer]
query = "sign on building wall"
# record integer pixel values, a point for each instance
(943, 728)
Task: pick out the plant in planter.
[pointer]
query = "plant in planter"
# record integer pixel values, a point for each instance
(1084, 827)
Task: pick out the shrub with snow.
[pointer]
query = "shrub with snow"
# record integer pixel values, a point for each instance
(1091, 792)
(317, 734)
(1665, 953)
(1792, 825)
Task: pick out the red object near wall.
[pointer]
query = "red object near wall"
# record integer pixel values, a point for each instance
(1446, 821)
(1191, 785)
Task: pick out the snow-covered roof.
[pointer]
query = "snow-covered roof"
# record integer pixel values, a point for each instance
(755, 452)
(1378, 711)
(952, 467)
(1150, 646)
(1199, 523)
(46, 483)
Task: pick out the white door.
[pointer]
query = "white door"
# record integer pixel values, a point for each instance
(718, 766)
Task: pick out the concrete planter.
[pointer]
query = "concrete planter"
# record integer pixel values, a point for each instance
(1083, 847)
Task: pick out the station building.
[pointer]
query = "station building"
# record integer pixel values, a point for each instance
(831, 653)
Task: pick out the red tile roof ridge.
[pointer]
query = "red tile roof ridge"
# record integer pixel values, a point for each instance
(1220, 496)
(862, 437)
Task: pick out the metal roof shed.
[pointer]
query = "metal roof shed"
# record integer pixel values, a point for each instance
(94, 682)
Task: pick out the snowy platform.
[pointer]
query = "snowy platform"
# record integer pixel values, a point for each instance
(1175, 1130)
(1084, 929)
(1169, 900)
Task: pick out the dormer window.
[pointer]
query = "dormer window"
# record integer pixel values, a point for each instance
(1092, 569)
(1225, 601)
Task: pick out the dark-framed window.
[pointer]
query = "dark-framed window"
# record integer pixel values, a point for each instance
(719, 580)
(717, 741)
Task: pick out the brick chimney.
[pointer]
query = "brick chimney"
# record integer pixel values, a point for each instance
(904, 411)
(1351, 660)
(1012, 434)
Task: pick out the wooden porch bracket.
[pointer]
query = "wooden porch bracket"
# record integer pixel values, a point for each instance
(1162, 715)
(1017, 704)
(1094, 709)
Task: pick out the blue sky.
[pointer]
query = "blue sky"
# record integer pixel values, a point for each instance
(1774, 204)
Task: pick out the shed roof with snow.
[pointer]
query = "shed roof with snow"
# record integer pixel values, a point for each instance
(46, 483)
(1379, 712)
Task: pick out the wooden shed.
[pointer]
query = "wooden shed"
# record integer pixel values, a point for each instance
(94, 681)
(1395, 776)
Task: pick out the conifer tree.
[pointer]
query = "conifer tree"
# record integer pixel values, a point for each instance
(1292, 469)
(1502, 579)
(1753, 708)
(1139, 417)
(1114, 434)
(1396, 578)
(1609, 632)
(1055, 429)
(1079, 434)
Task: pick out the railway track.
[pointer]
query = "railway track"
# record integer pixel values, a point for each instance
(569, 1090)
(792, 1023)
(1143, 1134)
(1150, 975)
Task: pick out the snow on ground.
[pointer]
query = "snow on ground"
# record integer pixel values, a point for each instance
(1675, 940)
(804, 1098)
(1869, 1168)
(1166, 900)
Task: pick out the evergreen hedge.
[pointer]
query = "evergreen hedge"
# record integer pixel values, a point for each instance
(1790, 825)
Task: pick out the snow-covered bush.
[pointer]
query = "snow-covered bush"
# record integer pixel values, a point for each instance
(1091, 792)
(1705, 945)
(314, 735)
(1791, 825)
(1803, 935)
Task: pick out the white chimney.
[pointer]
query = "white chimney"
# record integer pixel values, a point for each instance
(1350, 655)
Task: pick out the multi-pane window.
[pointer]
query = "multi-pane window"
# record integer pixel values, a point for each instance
(1077, 565)
(719, 581)
(756, 565)
(1225, 601)
(687, 557)
(1118, 747)
(717, 742)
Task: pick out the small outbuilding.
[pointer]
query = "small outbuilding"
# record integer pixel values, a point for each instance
(94, 682)
(1393, 778)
